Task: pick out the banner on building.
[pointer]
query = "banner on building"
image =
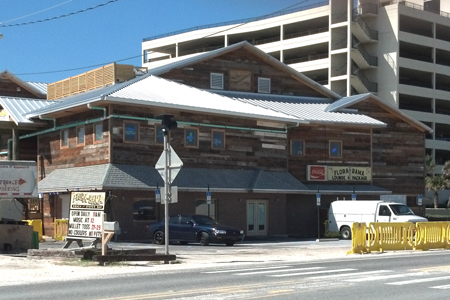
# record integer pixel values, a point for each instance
(85, 217)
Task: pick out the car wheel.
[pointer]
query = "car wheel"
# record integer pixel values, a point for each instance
(229, 244)
(346, 233)
(158, 237)
(204, 239)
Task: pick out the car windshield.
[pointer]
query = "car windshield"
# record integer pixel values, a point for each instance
(401, 210)
(204, 220)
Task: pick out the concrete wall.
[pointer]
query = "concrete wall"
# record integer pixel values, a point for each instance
(19, 236)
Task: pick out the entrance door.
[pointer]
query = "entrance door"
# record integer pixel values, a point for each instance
(256, 217)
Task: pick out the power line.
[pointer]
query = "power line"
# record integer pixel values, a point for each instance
(59, 17)
(35, 13)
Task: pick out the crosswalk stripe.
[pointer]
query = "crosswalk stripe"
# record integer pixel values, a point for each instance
(418, 280)
(273, 271)
(249, 269)
(314, 272)
(350, 274)
(384, 277)
(441, 287)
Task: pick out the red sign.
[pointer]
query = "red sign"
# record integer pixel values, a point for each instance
(317, 173)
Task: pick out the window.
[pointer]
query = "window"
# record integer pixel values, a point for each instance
(218, 139)
(64, 138)
(191, 137)
(144, 209)
(203, 208)
(98, 132)
(34, 205)
(335, 149)
(216, 81)
(263, 85)
(131, 132)
(80, 135)
(159, 134)
(297, 148)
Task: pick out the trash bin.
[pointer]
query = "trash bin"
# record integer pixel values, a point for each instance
(35, 240)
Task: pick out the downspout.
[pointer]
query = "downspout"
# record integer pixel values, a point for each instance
(99, 108)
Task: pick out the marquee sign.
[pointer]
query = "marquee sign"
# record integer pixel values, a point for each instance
(341, 173)
(85, 217)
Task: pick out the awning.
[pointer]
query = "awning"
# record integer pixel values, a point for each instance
(146, 178)
(347, 189)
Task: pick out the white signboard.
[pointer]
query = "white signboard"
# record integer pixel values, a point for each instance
(85, 217)
(18, 179)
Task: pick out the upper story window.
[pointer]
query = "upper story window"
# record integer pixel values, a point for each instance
(191, 137)
(64, 138)
(241, 80)
(80, 135)
(297, 147)
(218, 139)
(216, 81)
(263, 85)
(335, 149)
(98, 132)
(131, 132)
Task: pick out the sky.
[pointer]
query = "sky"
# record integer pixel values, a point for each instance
(50, 40)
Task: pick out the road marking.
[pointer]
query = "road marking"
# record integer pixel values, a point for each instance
(350, 274)
(252, 269)
(315, 272)
(441, 287)
(384, 277)
(418, 280)
(273, 271)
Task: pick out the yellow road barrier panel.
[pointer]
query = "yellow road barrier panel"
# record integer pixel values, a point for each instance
(432, 235)
(37, 226)
(358, 239)
(61, 228)
(390, 236)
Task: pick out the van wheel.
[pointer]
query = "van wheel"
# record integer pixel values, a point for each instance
(346, 233)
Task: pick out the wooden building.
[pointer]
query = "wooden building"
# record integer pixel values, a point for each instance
(250, 129)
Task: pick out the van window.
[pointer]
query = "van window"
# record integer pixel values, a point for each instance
(384, 211)
(401, 210)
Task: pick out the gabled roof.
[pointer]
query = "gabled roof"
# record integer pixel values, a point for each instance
(155, 91)
(34, 88)
(19, 107)
(180, 63)
(347, 102)
(307, 109)
(147, 178)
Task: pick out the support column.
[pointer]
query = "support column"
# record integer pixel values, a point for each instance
(15, 144)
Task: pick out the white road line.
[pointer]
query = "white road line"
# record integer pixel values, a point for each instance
(316, 272)
(250, 269)
(418, 280)
(384, 277)
(441, 287)
(350, 274)
(274, 271)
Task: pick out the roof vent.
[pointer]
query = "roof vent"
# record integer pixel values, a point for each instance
(263, 85)
(217, 81)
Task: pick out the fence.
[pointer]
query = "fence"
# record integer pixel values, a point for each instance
(379, 236)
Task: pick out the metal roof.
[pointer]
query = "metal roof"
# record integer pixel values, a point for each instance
(138, 177)
(307, 109)
(40, 86)
(155, 91)
(19, 107)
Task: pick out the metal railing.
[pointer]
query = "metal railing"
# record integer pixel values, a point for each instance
(371, 86)
(371, 60)
(371, 33)
(306, 58)
(415, 6)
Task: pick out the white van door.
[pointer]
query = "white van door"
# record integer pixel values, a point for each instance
(383, 214)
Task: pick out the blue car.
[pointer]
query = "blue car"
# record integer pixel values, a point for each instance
(195, 229)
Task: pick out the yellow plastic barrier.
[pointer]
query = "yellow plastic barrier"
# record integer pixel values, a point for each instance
(378, 236)
(358, 239)
(37, 226)
(61, 229)
(432, 235)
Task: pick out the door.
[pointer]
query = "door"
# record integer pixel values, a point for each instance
(384, 214)
(256, 217)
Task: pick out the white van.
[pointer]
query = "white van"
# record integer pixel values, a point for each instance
(342, 214)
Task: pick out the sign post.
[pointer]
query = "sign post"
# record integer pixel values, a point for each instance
(318, 213)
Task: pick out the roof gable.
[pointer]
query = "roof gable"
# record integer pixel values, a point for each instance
(13, 86)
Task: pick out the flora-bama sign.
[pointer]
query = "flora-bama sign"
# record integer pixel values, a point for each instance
(85, 216)
(341, 173)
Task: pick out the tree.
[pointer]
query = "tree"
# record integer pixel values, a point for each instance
(435, 182)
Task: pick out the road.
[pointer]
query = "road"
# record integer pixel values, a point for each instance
(412, 275)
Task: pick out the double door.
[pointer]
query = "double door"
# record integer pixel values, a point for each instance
(256, 217)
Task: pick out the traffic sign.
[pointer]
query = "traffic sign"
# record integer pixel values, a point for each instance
(173, 166)
(158, 195)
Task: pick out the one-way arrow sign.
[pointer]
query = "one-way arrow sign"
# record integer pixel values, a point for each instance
(174, 165)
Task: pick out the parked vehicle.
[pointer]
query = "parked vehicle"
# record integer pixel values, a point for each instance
(342, 214)
(186, 228)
